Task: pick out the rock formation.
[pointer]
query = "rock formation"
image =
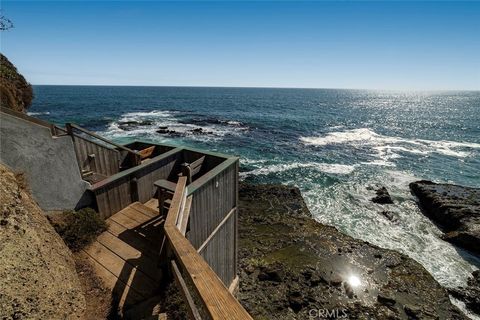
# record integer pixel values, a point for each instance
(15, 92)
(455, 209)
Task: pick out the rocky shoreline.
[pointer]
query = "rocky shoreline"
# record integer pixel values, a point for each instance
(292, 267)
(455, 209)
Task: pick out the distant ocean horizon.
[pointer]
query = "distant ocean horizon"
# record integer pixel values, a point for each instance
(336, 145)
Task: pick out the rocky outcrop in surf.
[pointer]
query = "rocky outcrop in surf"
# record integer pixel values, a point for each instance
(15, 92)
(382, 197)
(471, 293)
(455, 209)
(293, 267)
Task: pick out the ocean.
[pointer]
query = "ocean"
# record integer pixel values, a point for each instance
(337, 146)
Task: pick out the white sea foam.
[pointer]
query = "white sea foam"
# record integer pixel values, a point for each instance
(38, 113)
(331, 168)
(348, 207)
(461, 305)
(387, 148)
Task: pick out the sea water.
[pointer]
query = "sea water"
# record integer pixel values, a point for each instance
(337, 146)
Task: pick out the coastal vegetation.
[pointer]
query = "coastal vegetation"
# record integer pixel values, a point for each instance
(78, 228)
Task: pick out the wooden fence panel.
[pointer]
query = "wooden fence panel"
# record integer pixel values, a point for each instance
(135, 184)
(219, 251)
(105, 161)
(214, 199)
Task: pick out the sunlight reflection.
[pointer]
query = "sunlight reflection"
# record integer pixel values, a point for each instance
(354, 281)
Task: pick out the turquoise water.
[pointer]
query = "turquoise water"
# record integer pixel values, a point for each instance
(335, 145)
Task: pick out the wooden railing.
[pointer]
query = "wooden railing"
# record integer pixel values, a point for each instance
(215, 299)
(135, 155)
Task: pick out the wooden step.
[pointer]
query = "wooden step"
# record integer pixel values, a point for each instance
(127, 272)
(132, 255)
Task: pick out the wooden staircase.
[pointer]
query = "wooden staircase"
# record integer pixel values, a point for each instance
(125, 256)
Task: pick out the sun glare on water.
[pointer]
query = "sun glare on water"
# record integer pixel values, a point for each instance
(354, 281)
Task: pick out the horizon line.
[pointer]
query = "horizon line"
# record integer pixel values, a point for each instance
(249, 87)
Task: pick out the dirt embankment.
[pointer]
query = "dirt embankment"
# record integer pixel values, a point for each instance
(37, 271)
(292, 267)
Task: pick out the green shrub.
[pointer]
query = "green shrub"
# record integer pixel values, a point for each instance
(79, 228)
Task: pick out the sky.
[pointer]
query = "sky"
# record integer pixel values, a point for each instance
(365, 45)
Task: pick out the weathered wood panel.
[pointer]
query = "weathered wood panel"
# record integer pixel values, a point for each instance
(105, 160)
(113, 197)
(219, 251)
(212, 201)
(147, 176)
(136, 184)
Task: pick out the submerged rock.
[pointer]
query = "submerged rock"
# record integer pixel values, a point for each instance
(382, 197)
(389, 215)
(309, 269)
(455, 209)
(131, 125)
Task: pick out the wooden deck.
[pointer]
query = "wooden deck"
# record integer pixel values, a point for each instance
(125, 256)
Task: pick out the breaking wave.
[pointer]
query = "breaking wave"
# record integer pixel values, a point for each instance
(387, 148)
(38, 113)
(330, 168)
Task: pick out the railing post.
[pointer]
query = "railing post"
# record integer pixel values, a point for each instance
(68, 126)
(134, 190)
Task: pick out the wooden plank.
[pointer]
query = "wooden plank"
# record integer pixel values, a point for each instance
(152, 230)
(125, 297)
(177, 201)
(135, 215)
(102, 203)
(192, 309)
(233, 288)
(131, 254)
(147, 152)
(165, 184)
(126, 271)
(152, 204)
(217, 300)
(135, 239)
(123, 220)
(152, 213)
(184, 222)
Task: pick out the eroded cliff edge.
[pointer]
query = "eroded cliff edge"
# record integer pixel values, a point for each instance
(37, 271)
(15, 92)
(292, 267)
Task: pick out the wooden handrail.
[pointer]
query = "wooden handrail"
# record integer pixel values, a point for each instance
(217, 300)
(69, 126)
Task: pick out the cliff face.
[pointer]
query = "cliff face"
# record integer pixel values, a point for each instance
(15, 92)
(37, 272)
